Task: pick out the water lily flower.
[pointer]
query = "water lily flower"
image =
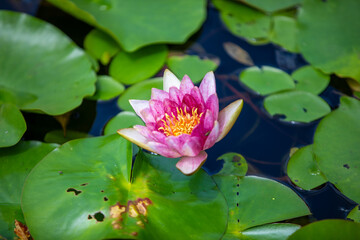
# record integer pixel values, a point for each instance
(182, 120)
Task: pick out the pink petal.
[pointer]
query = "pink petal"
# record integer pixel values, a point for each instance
(200, 104)
(204, 127)
(160, 137)
(189, 165)
(170, 107)
(158, 94)
(189, 103)
(213, 105)
(208, 86)
(211, 139)
(164, 150)
(175, 95)
(134, 136)
(170, 80)
(147, 116)
(208, 121)
(157, 109)
(186, 85)
(185, 144)
(139, 106)
(228, 116)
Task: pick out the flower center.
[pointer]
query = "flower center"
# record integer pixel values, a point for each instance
(183, 123)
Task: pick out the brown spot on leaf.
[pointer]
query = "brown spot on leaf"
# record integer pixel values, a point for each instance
(99, 216)
(84, 184)
(134, 233)
(76, 192)
(21, 231)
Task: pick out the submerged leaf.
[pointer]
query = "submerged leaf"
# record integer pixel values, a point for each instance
(237, 53)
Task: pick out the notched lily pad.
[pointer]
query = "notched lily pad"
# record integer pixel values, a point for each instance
(234, 164)
(310, 80)
(298, 106)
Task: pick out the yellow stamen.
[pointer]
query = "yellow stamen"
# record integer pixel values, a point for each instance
(183, 123)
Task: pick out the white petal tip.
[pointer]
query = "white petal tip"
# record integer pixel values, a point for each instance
(170, 80)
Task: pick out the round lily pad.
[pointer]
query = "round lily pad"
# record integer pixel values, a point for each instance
(266, 80)
(298, 106)
(272, 5)
(16, 163)
(192, 66)
(328, 229)
(107, 88)
(338, 53)
(122, 120)
(12, 125)
(130, 68)
(303, 171)
(284, 32)
(99, 195)
(137, 23)
(354, 214)
(100, 46)
(310, 79)
(141, 91)
(38, 59)
(336, 147)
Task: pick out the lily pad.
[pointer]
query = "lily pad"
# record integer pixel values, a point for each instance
(284, 32)
(243, 20)
(297, 106)
(58, 136)
(255, 201)
(310, 80)
(12, 125)
(100, 46)
(98, 196)
(303, 171)
(137, 23)
(192, 66)
(107, 88)
(354, 214)
(234, 164)
(275, 231)
(141, 91)
(339, 53)
(336, 147)
(272, 5)
(130, 68)
(266, 80)
(122, 120)
(328, 229)
(16, 163)
(38, 59)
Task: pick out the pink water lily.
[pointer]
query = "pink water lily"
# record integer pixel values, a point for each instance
(182, 120)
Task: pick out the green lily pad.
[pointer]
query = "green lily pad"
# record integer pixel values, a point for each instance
(130, 68)
(244, 21)
(266, 80)
(15, 164)
(310, 80)
(58, 136)
(354, 214)
(297, 106)
(38, 59)
(340, 53)
(192, 66)
(12, 125)
(122, 120)
(272, 5)
(303, 171)
(284, 32)
(137, 23)
(107, 88)
(98, 196)
(140, 91)
(100, 46)
(330, 229)
(255, 201)
(336, 147)
(234, 164)
(275, 231)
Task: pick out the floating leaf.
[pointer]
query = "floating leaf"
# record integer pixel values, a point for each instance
(336, 147)
(234, 164)
(12, 125)
(297, 106)
(122, 120)
(192, 66)
(310, 80)
(58, 136)
(38, 59)
(141, 91)
(16, 163)
(237, 53)
(339, 53)
(284, 32)
(328, 229)
(272, 5)
(137, 23)
(244, 21)
(107, 88)
(130, 68)
(303, 171)
(266, 80)
(354, 214)
(98, 196)
(100, 46)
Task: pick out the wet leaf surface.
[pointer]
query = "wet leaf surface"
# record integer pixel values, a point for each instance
(107, 88)
(12, 125)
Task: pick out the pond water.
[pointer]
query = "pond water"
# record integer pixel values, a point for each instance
(264, 141)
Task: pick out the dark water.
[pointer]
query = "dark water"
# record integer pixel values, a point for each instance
(264, 141)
